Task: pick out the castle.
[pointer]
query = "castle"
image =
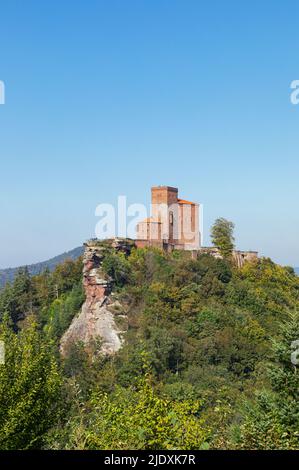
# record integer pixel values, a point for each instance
(174, 225)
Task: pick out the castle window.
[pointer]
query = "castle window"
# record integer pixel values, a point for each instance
(171, 218)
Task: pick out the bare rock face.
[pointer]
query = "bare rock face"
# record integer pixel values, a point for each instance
(101, 319)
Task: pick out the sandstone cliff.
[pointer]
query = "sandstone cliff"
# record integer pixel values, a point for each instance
(101, 314)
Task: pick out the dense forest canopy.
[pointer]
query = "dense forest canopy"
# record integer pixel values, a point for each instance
(206, 362)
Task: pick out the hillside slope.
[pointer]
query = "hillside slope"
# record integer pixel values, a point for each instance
(8, 275)
(197, 368)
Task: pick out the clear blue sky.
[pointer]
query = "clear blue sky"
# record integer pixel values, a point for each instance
(110, 97)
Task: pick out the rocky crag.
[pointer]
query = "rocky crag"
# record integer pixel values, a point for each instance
(102, 319)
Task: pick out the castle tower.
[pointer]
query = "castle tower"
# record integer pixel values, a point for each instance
(165, 210)
(174, 223)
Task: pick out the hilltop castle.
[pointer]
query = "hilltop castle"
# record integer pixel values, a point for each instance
(174, 225)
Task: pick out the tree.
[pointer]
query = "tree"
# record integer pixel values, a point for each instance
(18, 299)
(135, 419)
(30, 387)
(65, 276)
(273, 422)
(222, 237)
(117, 267)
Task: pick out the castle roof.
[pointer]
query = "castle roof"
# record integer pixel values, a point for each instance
(183, 201)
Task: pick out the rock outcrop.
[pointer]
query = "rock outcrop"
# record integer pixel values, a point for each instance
(101, 319)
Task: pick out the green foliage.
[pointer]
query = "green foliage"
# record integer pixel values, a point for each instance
(273, 421)
(18, 299)
(222, 237)
(65, 275)
(117, 267)
(30, 388)
(62, 310)
(207, 330)
(35, 295)
(136, 418)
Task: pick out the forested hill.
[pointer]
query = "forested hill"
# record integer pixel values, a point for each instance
(206, 360)
(8, 275)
